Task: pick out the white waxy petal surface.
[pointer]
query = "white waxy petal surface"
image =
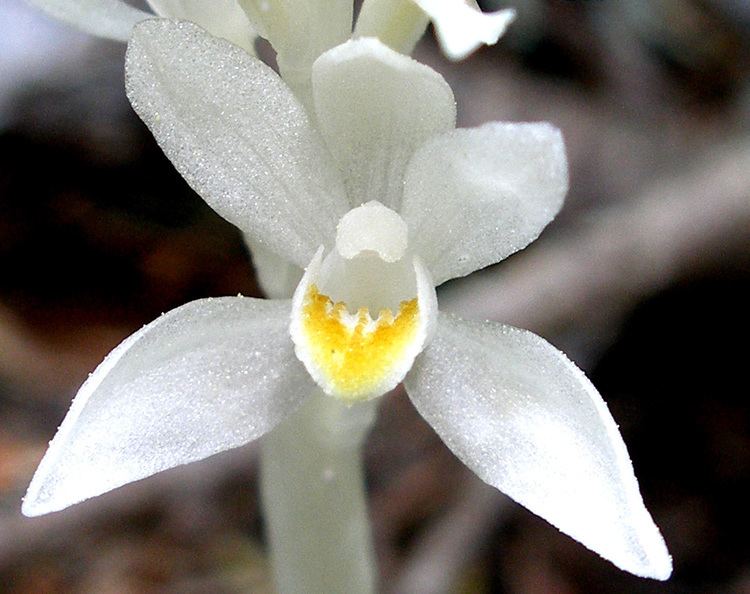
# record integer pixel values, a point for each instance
(223, 18)
(397, 23)
(462, 27)
(113, 19)
(518, 413)
(300, 32)
(375, 228)
(374, 108)
(474, 196)
(208, 376)
(238, 136)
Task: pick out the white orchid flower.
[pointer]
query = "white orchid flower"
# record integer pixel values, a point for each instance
(115, 19)
(460, 25)
(299, 31)
(381, 201)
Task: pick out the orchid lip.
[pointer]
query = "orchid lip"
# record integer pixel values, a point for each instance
(362, 313)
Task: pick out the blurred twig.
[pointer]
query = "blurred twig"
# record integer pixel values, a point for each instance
(456, 539)
(737, 11)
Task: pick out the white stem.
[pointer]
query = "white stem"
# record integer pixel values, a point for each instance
(314, 499)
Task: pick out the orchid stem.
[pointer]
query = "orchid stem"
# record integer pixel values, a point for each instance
(314, 499)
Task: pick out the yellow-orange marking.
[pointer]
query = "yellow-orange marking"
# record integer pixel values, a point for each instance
(354, 352)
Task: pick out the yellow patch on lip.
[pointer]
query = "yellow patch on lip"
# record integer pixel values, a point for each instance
(353, 352)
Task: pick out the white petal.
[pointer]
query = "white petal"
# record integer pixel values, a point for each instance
(397, 23)
(112, 19)
(375, 107)
(238, 136)
(518, 413)
(474, 196)
(300, 32)
(222, 18)
(208, 376)
(462, 27)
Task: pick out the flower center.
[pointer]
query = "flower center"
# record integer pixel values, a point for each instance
(348, 353)
(354, 351)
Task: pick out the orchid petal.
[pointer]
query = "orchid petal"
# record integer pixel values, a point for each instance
(211, 375)
(222, 18)
(237, 135)
(300, 32)
(474, 196)
(397, 23)
(112, 19)
(462, 27)
(374, 108)
(518, 413)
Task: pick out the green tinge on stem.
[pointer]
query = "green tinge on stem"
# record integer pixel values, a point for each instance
(397, 23)
(314, 499)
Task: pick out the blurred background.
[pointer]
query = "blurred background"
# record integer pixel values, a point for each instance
(644, 279)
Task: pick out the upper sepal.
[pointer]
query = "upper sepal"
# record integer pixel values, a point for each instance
(374, 108)
(237, 135)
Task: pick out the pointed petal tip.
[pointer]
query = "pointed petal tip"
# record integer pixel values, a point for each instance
(34, 510)
(656, 562)
(657, 569)
(663, 570)
(44, 497)
(33, 506)
(29, 509)
(644, 553)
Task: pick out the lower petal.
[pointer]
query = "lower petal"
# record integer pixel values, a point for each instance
(518, 413)
(211, 375)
